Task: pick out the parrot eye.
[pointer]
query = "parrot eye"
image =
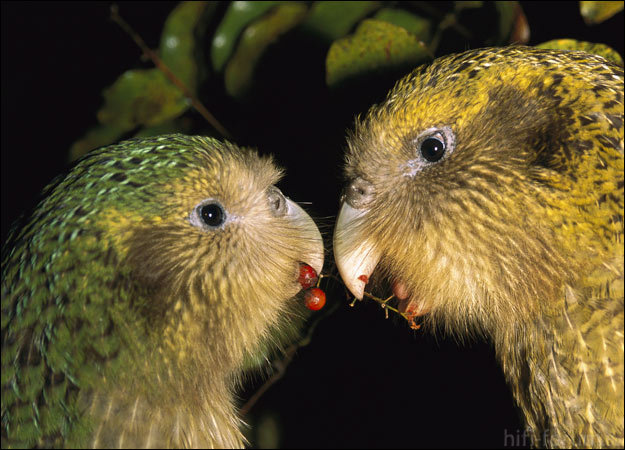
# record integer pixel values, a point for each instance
(432, 149)
(208, 215)
(277, 202)
(435, 144)
(212, 215)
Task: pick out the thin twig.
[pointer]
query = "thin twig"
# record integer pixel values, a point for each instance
(279, 373)
(199, 107)
(384, 304)
(449, 20)
(282, 364)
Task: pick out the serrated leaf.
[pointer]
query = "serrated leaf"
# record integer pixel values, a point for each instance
(331, 20)
(237, 17)
(141, 97)
(597, 12)
(375, 46)
(589, 47)
(177, 47)
(254, 40)
(418, 26)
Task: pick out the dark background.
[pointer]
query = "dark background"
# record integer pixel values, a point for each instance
(363, 381)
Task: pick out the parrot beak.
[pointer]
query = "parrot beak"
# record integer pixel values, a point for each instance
(314, 257)
(355, 256)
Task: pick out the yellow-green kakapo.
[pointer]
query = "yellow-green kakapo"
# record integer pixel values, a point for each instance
(487, 190)
(133, 294)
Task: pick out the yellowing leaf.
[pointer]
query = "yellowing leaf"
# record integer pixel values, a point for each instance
(137, 98)
(597, 12)
(418, 26)
(375, 46)
(141, 97)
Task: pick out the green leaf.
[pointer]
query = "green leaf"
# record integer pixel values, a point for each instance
(177, 47)
(418, 26)
(141, 97)
(589, 47)
(507, 16)
(147, 97)
(96, 137)
(268, 430)
(238, 16)
(331, 20)
(458, 6)
(374, 47)
(597, 12)
(137, 98)
(254, 40)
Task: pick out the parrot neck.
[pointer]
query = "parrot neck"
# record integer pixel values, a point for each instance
(150, 395)
(562, 368)
(173, 411)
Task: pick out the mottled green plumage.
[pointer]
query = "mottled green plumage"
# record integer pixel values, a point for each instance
(515, 233)
(126, 324)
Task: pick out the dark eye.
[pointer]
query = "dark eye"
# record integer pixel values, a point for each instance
(212, 215)
(208, 215)
(432, 149)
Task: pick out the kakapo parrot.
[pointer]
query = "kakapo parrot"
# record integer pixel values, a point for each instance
(138, 288)
(486, 192)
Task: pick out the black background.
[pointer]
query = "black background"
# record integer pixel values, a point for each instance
(363, 381)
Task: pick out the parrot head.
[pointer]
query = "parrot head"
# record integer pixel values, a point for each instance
(468, 188)
(215, 241)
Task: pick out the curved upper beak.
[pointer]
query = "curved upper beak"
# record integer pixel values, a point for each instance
(356, 257)
(311, 234)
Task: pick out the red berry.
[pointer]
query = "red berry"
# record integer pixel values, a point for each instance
(315, 298)
(307, 276)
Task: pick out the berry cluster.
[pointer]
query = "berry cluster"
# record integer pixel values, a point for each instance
(314, 297)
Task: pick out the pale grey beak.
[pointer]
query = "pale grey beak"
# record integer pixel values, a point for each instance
(314, 257)
(356, 257)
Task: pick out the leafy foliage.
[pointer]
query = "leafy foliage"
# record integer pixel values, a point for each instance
(363, 41)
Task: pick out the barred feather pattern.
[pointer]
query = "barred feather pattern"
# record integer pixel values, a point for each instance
(516, 234)
(124, 325)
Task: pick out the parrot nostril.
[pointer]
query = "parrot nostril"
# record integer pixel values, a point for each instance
(277, 202)
(359, 193)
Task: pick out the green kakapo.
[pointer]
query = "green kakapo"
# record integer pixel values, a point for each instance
(137, 289)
